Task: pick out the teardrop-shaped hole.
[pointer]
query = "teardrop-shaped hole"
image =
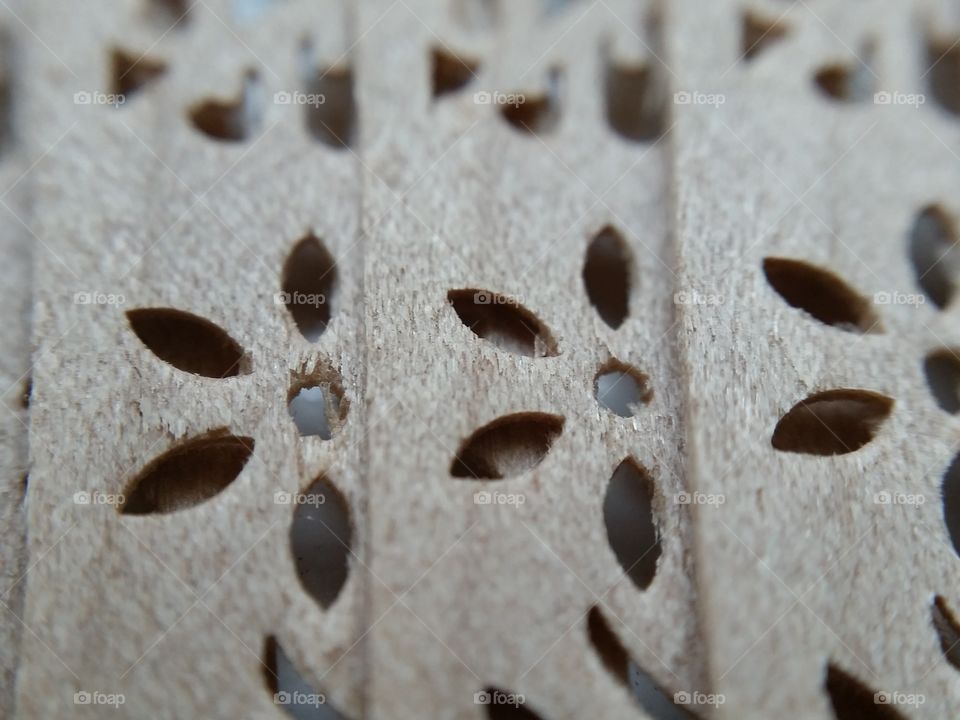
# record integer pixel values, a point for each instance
(333, 121)
(758, 33)
(309, 284)
(821, 294)
(130, 72)
(834, 422)
(230, 120)
(188, 474)
(631, 527)
(943, 72)
(290, 690)
(503, 321)
(852, 700)
(621, 388)
(942, 370)
(537, 114)
(950, 491)
(318, 406)
(451, 72)
(189, 342)
(934, 254)
(634, 99)
(320, 539)
(507, 447)
(606, 276)
(615, 658)
(505, 705)
(948, 630)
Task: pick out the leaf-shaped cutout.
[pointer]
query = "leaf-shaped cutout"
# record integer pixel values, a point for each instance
(758, 32)
(320, 540)
(633, 100)
(631, 528)
(503, 321)
(535, 113)
(948, 630)
(309, 283)
(621, 388)
(188, 474)
(935, 254)
(131, 71)
(291, 690)
(189, 342)
(505, 705)
(821, 294)
(950, 491)
(333, 121)
(833, 422)
(852, 700)
(606, 276)
(231, 120)
(450, 72)
(615, 658)
(507, 447)
(943, 71)
(942, 370)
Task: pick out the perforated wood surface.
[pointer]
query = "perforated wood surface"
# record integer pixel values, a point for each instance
(404, 359)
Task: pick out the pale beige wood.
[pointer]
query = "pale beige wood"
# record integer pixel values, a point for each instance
(800, 566)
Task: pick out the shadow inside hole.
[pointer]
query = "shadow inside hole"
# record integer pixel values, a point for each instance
(628, 517)
(290, 690)
(942, 370)
(504, 705)
(948, 630)
(536, 114)
(950, 492)
(320, 539)
(622, 389)
(231, 120)
(832, 422)
(507, 447)
(635, 101)
(934, 254)
(851, 81)
(821, 294)
(943, 72)
(606, 276)
(131, 71)
(309, 284)
(317, 410)
(451, 72)
(852, 700)
(651, 697)
(758, 32)
(332, 116)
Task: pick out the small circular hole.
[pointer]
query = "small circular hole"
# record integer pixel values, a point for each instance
(621, 388)
(318, 407)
